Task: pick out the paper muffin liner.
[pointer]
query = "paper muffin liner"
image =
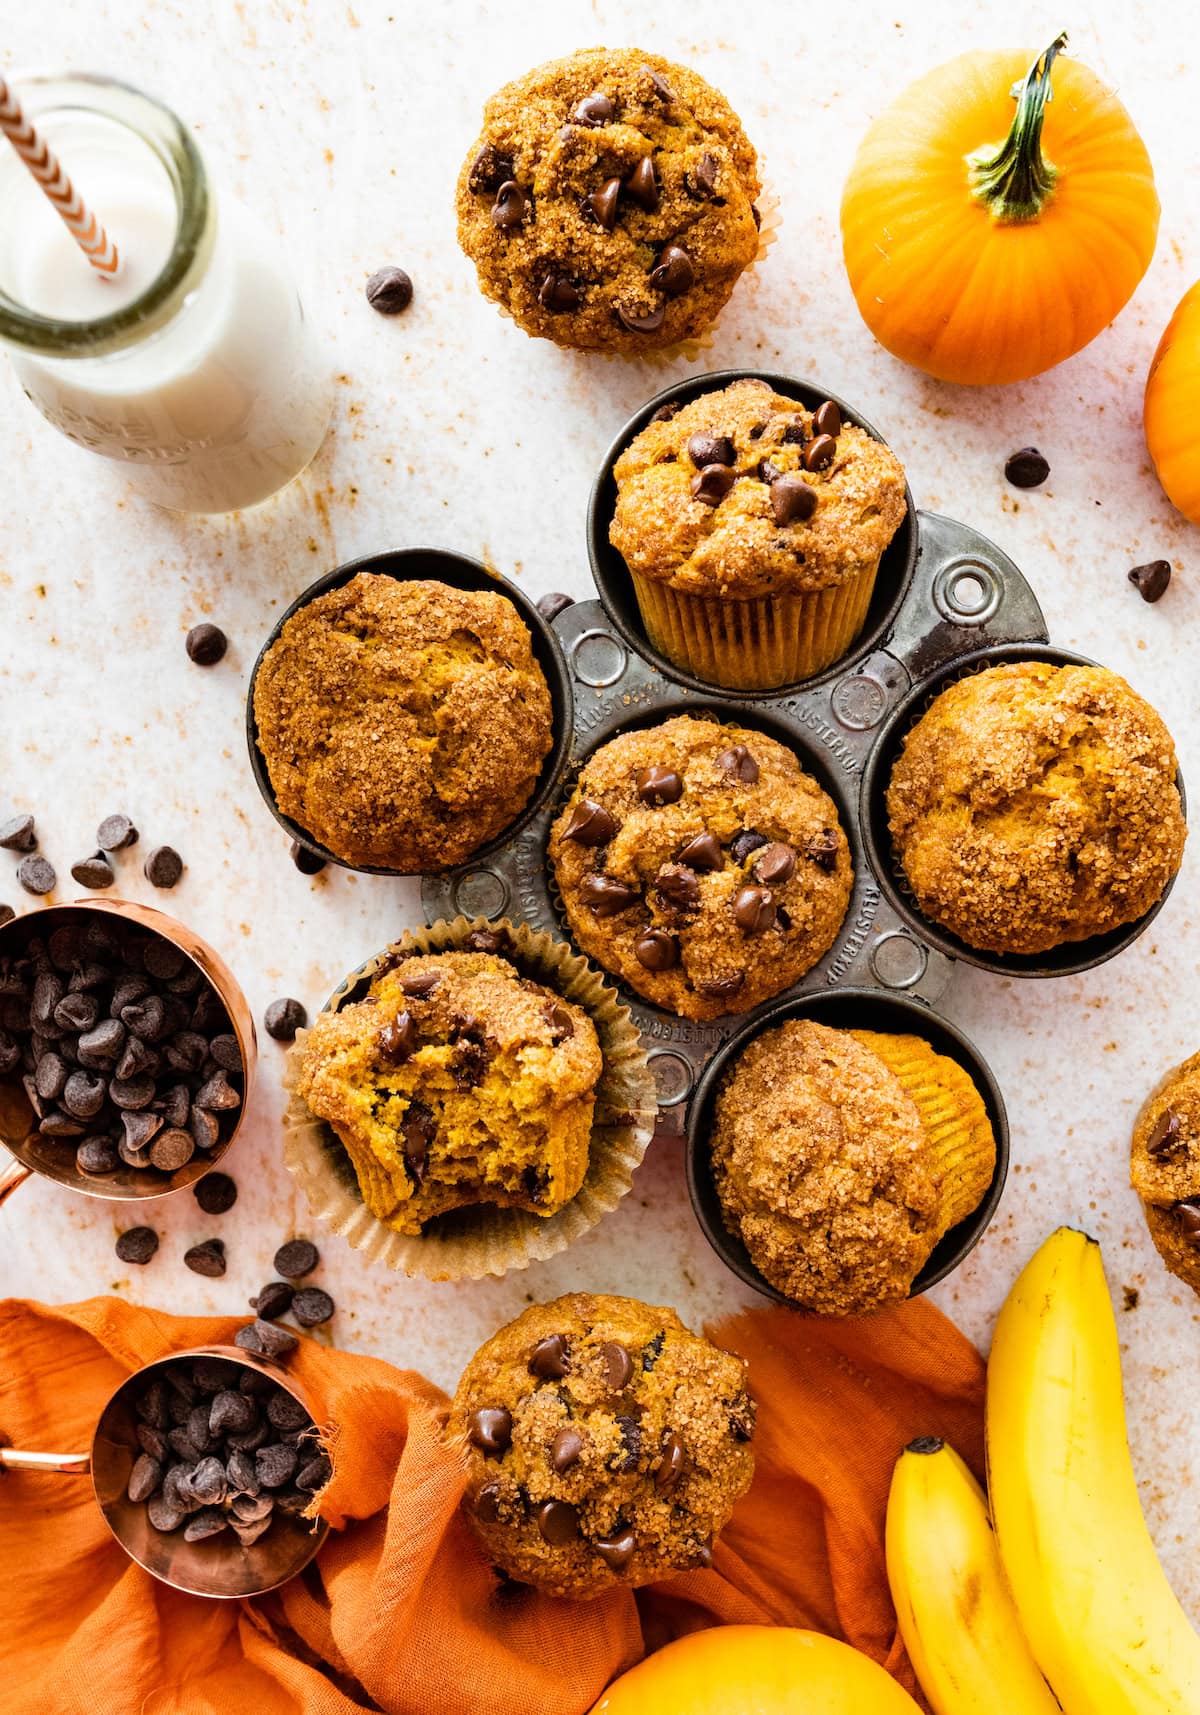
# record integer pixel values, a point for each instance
(757, 643)
(953, 1114)
(470, 1243)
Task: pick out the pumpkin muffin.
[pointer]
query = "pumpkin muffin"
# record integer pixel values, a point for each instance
(1165, 1169)
(608, 203)
(456, 1081)
(1034, 805)
(753, 531)
(841, 1158)
(403, 723)
(606, 1445)
(701, 864)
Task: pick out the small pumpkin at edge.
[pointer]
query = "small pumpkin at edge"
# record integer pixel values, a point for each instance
(985, 245)
(1171, 411)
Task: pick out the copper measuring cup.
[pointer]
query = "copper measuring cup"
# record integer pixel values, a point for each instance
(218, 1566)
(33, 1153)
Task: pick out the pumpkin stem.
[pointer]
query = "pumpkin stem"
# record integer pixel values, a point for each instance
(1015, 180)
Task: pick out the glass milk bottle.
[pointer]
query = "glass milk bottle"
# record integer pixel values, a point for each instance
(194, 367)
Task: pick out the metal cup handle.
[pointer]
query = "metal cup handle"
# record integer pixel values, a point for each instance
(16, 1459)
(12, 1174)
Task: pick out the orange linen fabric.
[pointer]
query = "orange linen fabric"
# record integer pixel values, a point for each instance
(400, 1612)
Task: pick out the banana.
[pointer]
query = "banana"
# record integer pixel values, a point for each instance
(1101, 1619)
(957, 1616)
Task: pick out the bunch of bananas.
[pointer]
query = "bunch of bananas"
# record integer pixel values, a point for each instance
(1063, 1605)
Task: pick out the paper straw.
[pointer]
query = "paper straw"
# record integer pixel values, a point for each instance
(80, 222)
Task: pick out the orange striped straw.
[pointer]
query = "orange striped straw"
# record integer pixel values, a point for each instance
(37, 155)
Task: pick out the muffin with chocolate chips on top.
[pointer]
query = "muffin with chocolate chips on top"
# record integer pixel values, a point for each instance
(1165, 1169)
(609, 202)
(702, 865)
(753, 530)
(606, 1444)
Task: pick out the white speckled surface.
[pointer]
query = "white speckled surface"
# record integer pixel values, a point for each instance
(346, 123)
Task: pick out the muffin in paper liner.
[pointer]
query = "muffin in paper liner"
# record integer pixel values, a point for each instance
(470, 1243)
(954, 1117)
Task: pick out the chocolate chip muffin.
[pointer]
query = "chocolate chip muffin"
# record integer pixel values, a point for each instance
(1034, 805)
(753, 531)
(606, 1444)
(456, 1081)
(1165, 1169)
(702, 865)
(608, 203)
(824, 1169)
(403, 723)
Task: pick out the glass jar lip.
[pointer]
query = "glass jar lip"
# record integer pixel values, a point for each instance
(163, 132)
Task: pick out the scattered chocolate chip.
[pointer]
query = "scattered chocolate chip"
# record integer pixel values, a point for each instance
(657, 786)
(207, 1258)
(18, 834)
(490, 1429)
(274, 1299)
(554, 603)
(823, 851)
(163, 866)
(308, 863)
(1026, 468)
(641, 321)
(705, 449)
(712, 484)
(557, 1521)
(94, 872)
(397, 1040)
(565, 1449)
(673, 273)
(283, 1018)
(311, 1306)
(36, 875)
(594, 110)
(591, 824)
(601, 205)
(738, 761)
(265, 1340)
(1166, 1134)
(701, 182)
(489, 170)
(672, 1464)
(296, 1258)
(171, 1150)
(549, 1358)
(656, 950)
(616, 1551)
(206, 645)
(558, 295)
(618, 1365)
(827, 419)
(753, 909)
(703, 853)
(1151, 580)
(115, 833)
(605, 896)
(390, 291)
(775, 864)
(819, 453)
(792, 500)
(641, 186)
(216, 1193)
(137, 1244)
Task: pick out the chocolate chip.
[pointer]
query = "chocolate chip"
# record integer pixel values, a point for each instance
(712, 484)
(641, 321)
(652, 1350)
(605, 896)
(1151, 580)
(768, 472)
(656, 950)
(672, 1464)
(554, 603)
(389, 291)
(775, 865)
(792, 500)
(286, 1413)
(308, 863)
(225, 1051)
(311, 1306)
(36, 875)
(827, 419)
(549, 1358)
(217, 1093)
(565, 1449)
(139, 1128)
(631, 1445)
(665, 412)
(819, 453)
(562, 1025)
(673, 274)
(230, 1409)
(701, 182)
(164, 1515)
(206, 1258)
(276, 1465)
(1026, 468)
(314, 1474)
(171, 1150)
(266, 1340)
(144, 1478)
(216, 1193)
(274, 1299)
(206, 644)
(601, 205)
(186, 1051)
(616, 1551)
(678, 887)
(658, 786)
(145, 1017)
(1165, 1137)
(490, 1429)
(557, 294)
(176, 1105)
(489, 170)
(618, 1365)
(163, 866)
(96, 1155)
(508, 210)
(753, 910)
(705, 449)
(137, 1244)
(18, 834)
(738, 761)
(557, 1521)
(741, 1418)
(115, 833)
(397, 1040)
(591, 824)
(658, 83)
(6, 915)
(283, 1018)
(703, 1555)
(1189, 1219)
(823, 851)
(703, 853)
(641, 186)
(296, 1258)
(595, 109)
(95, 872)
(50, 1076)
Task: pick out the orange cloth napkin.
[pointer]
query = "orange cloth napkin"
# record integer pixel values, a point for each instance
(400, 1612)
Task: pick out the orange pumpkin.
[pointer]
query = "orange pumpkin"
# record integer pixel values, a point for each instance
(1171, 413)
(985, 244)
(767, 1670)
